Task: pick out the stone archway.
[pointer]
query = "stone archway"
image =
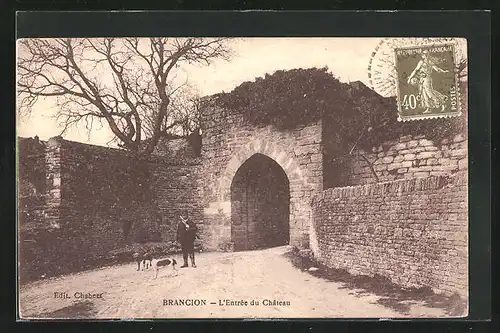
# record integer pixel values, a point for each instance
(299, 188)
(260, 205)
(269, 149)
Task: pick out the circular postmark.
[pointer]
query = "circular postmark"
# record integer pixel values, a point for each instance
(382, 72)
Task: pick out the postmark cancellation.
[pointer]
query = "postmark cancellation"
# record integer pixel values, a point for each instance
(427, 84)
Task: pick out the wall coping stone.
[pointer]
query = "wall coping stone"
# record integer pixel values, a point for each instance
(398, 187)
(58, 141)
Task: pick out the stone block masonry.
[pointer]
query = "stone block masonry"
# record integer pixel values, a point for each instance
(409, 157)
(176, 191)
(252, 186)
(98, 199)
(411, 231)
(228, 142)
(31, 179)
(105, 189)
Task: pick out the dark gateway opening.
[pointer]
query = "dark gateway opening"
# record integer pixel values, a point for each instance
(260, 205)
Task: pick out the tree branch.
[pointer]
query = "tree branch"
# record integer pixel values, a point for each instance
(126, 82)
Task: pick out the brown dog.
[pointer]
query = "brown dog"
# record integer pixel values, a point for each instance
(145, 258)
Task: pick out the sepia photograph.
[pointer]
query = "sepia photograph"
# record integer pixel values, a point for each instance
(245, 177)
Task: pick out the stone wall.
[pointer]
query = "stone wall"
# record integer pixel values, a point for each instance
(408, 157)
(31, 180)
(411, 231)
(228, 142)
(94, 199)
(112, 186)
(99, 199)
(176, 190)
(370, 145)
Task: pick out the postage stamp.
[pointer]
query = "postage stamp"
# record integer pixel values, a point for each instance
(427, 85)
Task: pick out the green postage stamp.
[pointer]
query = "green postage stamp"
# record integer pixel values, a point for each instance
(427, 85)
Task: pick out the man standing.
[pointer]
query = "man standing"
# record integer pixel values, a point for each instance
(186, 234)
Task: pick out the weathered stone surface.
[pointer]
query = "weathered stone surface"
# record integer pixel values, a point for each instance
(387, 160)
(409, 157)
(397, 159)
(418, 150)
(405, 138)
(459, 153)
(93, 192)
(297, 152)
(425, 142)
(421, 174)
(459, 138)
(400, 230)
(372, 225)
(463, 164)
(316, 158)
(412, 144)
(399, 146)
(424, 155)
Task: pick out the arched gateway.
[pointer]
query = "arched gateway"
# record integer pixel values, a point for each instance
(263, 199)
(260, 205)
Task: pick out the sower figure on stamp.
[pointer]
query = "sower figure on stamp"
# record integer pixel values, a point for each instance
(422, 77)
(187, 232)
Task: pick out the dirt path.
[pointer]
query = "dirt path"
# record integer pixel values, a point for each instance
(242, 276)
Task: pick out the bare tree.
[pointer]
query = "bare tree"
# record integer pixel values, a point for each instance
(130, 83)
(186, 112)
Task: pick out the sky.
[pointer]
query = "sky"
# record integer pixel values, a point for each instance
(346, 58)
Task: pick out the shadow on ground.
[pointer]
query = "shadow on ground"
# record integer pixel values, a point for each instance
(80, 310)
(391, 295)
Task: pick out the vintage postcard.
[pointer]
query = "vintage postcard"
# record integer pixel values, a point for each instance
(177, 178)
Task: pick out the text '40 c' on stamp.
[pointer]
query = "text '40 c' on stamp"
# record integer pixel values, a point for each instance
(427, 84)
